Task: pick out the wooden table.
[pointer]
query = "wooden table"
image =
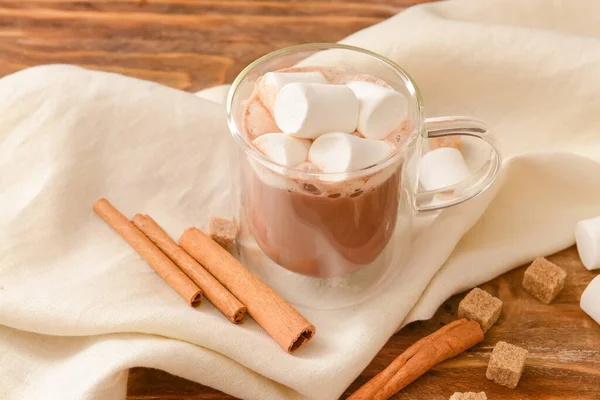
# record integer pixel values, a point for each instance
(191, 45)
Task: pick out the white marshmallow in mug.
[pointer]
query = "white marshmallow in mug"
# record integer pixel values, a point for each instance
(590, 299)
(587, 237)
(381, 109)
(272, 82)
(308, 110)
(441, 168)
(342, 152)
(283, 149)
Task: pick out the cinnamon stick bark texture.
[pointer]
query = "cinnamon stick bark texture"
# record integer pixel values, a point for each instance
(216, 293)
(368, 390)
(450, 344)
(163, 266)
(276, 316)
(441, 345)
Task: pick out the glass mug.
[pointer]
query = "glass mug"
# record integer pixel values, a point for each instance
(328, 240)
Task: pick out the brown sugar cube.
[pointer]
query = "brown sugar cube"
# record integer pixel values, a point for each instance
(543, 280)
(481, 307)
(468, 396)
(506, 364)
(222, 231)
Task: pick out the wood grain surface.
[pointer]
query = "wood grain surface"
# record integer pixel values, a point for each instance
(193, 44)
(186, 44)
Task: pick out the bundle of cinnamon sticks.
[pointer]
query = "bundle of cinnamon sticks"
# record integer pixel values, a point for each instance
(199, 265)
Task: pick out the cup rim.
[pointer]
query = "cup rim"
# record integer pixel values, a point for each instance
(251, 150)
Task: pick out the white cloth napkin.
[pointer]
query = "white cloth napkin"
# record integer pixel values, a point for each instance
(78, 307)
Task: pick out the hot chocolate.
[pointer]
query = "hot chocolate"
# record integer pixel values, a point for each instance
(336, 221)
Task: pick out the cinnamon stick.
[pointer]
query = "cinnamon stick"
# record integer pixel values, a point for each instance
(368, 390)
(445, 346)
(445, 343)
(216, 293)
(276, 316)
(149, 252)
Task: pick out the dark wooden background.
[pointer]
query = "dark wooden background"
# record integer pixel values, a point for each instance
(194, 44)
(186, 44)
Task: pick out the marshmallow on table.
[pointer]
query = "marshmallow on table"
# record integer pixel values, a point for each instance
(587, 237)
(308, 110)
(272, 82)
(381, 109)
(283, 149)
(441, 168)
(342, 152)
(590, 299)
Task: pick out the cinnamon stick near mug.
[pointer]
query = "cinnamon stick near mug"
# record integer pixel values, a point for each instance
(163, 266)
(276, 316)
(447, 342)
(216, 293)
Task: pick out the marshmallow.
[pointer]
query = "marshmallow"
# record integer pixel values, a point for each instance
(258, 120)
(272, 82)
(441, 168)
(283, 149)
(342, 152)
(587, 237)
(590, 299)
(381, 109)
(308, 110)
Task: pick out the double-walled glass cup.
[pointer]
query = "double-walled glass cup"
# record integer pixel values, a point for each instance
(328, 240)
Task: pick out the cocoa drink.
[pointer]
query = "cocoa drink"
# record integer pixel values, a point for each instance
(305, 218)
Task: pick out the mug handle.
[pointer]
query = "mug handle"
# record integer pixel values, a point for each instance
(474, 185)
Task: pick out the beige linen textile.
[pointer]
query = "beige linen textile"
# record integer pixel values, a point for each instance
(77, 305)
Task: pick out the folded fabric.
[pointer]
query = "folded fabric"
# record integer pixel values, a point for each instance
(78, 307)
